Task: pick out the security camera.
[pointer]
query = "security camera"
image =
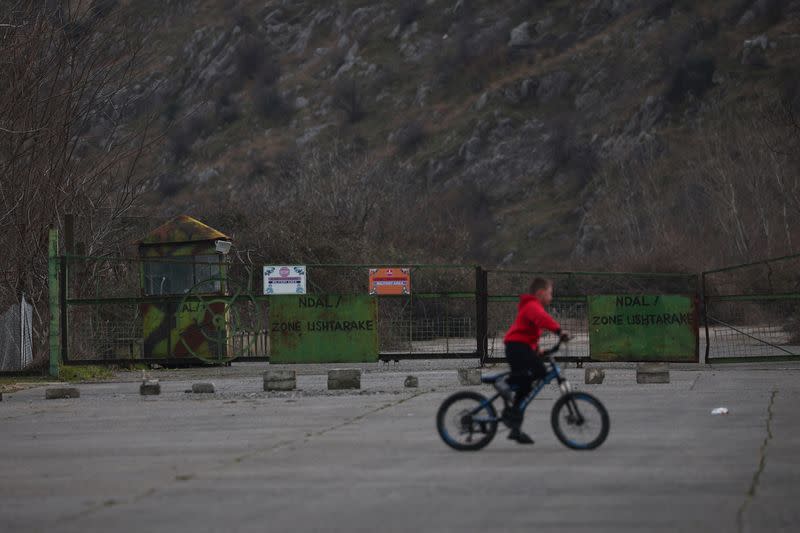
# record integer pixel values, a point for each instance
(222, 247)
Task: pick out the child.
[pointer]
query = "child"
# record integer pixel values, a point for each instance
(522, 350)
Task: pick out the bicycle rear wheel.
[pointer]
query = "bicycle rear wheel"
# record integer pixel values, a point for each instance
(467, 421)
(580, 421)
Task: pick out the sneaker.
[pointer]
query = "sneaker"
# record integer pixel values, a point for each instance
(520, 436)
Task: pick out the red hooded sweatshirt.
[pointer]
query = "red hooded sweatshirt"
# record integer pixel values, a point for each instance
(531, 319)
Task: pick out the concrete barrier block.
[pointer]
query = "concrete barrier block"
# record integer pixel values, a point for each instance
(652, 373)
(594, 376)
(203, 388)
(344, 378)
(57, 393)
(280, 380)
(469, 376)
(151, 387)
(411, 382)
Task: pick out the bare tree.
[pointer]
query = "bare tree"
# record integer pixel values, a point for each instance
(735, 196)
(68, 139)
(349, 98)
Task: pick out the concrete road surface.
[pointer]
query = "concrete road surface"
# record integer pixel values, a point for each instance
(245, 460)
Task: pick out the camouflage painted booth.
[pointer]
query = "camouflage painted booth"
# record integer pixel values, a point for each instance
(183, 280)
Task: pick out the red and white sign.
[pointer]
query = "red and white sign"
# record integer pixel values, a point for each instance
(389, 281)
(285, 279)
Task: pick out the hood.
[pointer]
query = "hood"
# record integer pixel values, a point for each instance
(526, 299)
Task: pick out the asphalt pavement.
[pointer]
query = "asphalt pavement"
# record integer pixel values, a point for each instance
(316, 460)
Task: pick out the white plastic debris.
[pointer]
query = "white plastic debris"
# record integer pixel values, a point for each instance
(720, 411)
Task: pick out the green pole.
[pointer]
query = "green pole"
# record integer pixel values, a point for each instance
(55, 303)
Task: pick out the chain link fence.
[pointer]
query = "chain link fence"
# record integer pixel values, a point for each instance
(16, 337)
(570, 296)
(117, 311)
(749, 311)
(752, 311)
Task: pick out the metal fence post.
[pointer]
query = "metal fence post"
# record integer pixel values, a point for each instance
(54, 300)
(705, 317)
(482, 312)
(63, 289)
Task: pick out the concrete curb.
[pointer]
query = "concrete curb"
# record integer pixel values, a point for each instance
(594, 376)
(344, 378)
(58, 393)
(150, 387)
(469, 376)
(203, 388)
(280, 380)
(652, 373)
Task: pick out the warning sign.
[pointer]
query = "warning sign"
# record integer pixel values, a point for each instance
(389, 281)
(285, 279)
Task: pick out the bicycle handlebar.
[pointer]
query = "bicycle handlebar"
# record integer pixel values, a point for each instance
(554, 349)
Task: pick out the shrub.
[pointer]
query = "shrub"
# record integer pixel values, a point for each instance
(226, 109)
(183, 136)
(661, 9)
(348, 98)
(269, 103)
(250, 56)
(736, 10)
(170, 185)
(410, 136)
(269, 71)
(771, 11)
(694, 77)
(180, 143)
(409, 11)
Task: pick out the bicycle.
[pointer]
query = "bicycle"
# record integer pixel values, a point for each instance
(578, 412)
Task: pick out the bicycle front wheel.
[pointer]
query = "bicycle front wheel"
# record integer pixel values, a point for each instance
(580, 421)
(466, 421)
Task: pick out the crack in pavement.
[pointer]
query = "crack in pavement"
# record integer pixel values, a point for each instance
(184, 478)
(751, 492)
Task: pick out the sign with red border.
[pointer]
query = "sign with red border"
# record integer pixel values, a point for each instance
(389, 281)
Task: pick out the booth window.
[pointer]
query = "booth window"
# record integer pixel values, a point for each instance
(179, 275)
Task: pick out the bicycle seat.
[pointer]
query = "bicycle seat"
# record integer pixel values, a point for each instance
(492, 379)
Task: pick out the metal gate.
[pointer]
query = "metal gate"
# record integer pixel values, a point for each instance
(104, 312)
(571, 294)
(752, 311)
(110, 312)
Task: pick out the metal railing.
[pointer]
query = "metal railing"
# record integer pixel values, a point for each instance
(749, 312)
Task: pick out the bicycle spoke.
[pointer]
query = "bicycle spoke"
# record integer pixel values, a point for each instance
(470, 422)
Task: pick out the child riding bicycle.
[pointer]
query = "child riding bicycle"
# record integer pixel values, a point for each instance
(523, 354)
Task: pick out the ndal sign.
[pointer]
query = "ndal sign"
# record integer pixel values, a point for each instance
(643, 328)
(329, 328)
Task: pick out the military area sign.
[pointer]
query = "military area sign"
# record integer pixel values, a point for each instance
(643, 328)
(323, 329)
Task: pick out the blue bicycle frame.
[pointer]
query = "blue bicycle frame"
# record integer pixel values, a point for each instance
(553, 374)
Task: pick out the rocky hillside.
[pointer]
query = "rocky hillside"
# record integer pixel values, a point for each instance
(520, 133)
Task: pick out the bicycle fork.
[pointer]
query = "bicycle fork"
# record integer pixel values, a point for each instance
(574, 416)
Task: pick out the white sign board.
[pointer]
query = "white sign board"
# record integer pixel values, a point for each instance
(285, 279)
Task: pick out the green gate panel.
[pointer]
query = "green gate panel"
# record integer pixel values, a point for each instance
(323, 329)
(643, 328)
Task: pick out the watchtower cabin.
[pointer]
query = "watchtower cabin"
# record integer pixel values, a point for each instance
(183, 282)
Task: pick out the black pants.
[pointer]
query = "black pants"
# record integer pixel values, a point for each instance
(526, 367)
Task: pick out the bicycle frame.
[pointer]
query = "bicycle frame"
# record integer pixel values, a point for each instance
(553, 374)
